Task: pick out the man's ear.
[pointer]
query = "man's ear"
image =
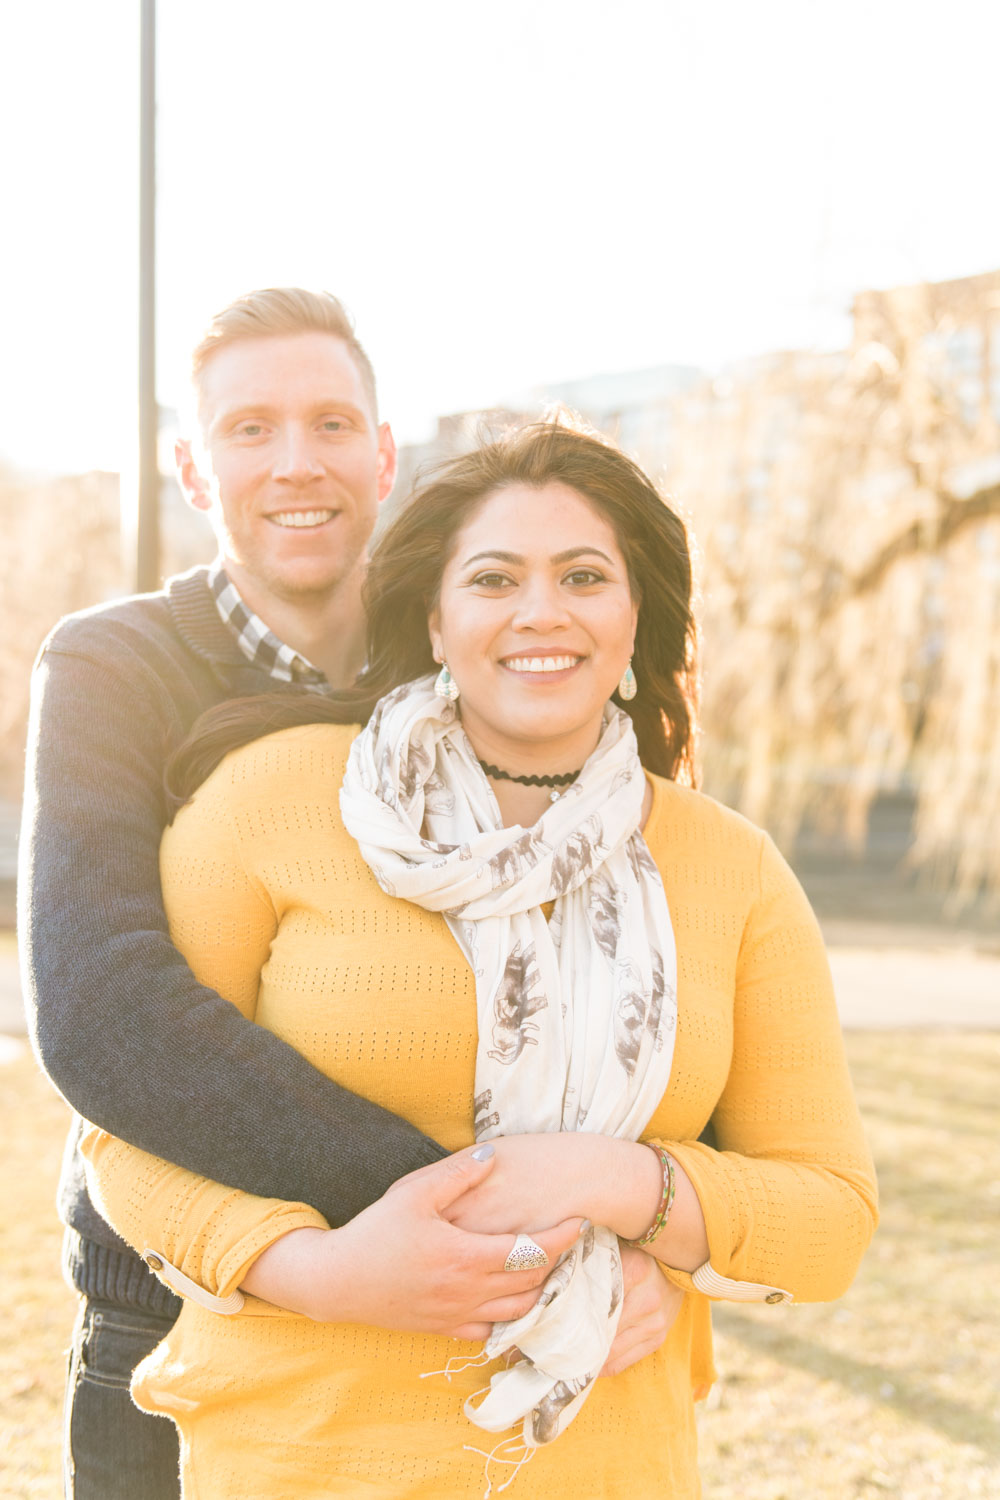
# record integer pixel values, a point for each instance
(194, 486)
(385, 467)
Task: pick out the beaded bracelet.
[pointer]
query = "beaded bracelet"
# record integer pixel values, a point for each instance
(666, 1202)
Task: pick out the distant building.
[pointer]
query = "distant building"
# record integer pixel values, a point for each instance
(636, 408)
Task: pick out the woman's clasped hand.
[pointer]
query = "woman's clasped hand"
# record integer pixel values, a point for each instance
(403, 1263)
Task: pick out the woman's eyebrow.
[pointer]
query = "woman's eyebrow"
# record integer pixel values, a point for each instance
(557, 557)
(499, 557)
(572, 552)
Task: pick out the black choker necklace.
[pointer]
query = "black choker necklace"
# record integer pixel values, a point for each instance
(495, 774)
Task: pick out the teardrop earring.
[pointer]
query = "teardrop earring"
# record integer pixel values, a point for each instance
(445, 685)
(627, 688)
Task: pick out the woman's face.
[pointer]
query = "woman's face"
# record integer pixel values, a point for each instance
(536, 621)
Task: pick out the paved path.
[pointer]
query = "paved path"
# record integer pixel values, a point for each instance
(882, 988)
(11, 1010)
(885, 976)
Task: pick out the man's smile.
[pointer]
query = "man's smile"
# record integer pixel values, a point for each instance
(301, 518)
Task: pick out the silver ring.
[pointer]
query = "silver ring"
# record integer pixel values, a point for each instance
(525, 1255)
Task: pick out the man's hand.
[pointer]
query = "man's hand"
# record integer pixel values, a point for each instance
(400, 1264)
(648, 1314)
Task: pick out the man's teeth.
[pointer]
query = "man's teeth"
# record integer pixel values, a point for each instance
(541, 663)
(302, 517)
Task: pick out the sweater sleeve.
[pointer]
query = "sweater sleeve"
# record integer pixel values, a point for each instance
(789, 1196)
(192, 1080)
(223, 924)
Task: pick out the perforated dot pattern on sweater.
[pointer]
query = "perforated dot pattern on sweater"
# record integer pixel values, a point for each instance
(262, 882)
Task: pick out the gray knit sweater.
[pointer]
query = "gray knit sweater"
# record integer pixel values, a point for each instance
(120, 1024)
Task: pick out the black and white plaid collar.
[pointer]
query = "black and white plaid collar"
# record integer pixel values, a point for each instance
(258, 643)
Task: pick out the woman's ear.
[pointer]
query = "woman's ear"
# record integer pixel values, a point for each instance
(434, 631)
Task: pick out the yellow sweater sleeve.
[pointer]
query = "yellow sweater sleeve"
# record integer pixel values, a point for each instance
(789, 1197)
(222, 921)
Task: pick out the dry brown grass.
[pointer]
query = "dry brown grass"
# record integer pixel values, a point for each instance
(893, 1392)
(39, 1307)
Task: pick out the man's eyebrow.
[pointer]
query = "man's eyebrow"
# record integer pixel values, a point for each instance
(557, 557)
(266, 408)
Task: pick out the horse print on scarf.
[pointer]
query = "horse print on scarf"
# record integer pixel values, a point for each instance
(546, 1415)
(559, 1279)
(636, 1009)
(577, 855)
(483, 1117)
(513, 861)
(514, 1004)
(414, 773)
(383, 880)
(437, 797)
(470, 937)
(661, 992)
(606, 901)
(640, 859)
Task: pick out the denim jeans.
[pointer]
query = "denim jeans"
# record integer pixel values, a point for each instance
(114, 1451)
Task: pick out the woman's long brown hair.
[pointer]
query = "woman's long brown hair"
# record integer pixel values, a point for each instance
(404, 578)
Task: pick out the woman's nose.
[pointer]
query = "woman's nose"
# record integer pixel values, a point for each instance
(540, 606)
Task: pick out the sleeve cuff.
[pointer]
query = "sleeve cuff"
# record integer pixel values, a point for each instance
(724, 1288)
(185, 1287)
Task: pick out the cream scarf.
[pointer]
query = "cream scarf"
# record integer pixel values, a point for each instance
(577, 1015)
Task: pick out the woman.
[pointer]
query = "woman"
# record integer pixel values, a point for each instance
(532, 944)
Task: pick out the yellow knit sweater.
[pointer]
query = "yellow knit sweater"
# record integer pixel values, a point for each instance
(272, 904)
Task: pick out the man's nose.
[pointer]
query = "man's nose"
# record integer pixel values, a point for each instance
(295, 459)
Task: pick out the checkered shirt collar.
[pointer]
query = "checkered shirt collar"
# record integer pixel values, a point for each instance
(258, 643)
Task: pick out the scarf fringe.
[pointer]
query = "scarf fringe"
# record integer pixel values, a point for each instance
(461, 1363)
(493, 1457)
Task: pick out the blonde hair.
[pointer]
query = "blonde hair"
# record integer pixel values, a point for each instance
(277, 310)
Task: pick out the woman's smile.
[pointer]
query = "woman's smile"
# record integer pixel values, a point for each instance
(547, 666)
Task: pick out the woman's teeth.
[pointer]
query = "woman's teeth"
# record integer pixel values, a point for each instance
(302, 517)
(541, 663)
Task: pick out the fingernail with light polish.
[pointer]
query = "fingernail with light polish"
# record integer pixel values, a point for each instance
(483, 1153)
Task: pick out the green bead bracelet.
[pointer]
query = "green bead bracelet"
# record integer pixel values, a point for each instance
(666, 1202)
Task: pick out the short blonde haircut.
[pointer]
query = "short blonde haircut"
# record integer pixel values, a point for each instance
(278, 310)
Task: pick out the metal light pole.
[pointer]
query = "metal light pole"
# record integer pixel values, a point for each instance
(147, 555)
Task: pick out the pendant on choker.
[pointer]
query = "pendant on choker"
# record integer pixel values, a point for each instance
(555, 782)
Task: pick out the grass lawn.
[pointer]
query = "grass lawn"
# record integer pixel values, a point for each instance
(893, 1392)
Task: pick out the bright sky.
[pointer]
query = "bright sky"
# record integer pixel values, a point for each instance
(502, 193)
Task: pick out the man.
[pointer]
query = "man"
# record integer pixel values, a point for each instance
(290, 463)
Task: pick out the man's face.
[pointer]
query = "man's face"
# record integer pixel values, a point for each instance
(291, 465)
